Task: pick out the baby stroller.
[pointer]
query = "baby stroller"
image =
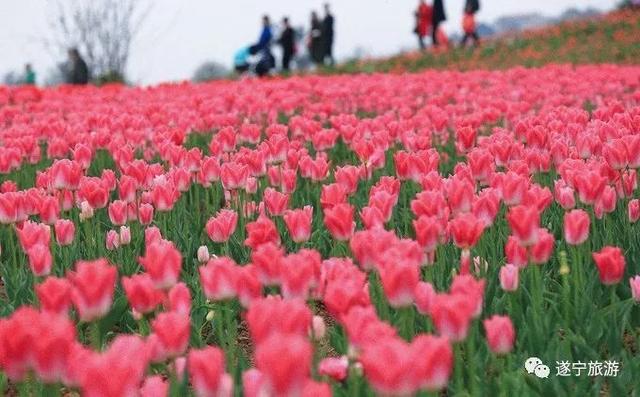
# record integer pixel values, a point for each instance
(253, 59)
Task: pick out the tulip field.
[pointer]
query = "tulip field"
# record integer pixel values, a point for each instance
(434, 234)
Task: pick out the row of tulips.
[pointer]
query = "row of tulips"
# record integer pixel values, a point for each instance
(341, 235)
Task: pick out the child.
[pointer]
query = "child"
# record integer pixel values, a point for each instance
(469, 27)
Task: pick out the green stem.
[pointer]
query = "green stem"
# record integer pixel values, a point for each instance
(96, 335)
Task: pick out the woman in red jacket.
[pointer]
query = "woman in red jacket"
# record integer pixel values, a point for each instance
(423, 22)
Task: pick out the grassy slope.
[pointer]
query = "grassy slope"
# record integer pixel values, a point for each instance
(612, 38)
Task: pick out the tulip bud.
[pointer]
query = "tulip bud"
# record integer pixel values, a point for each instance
(210, 315)
(203, 254)
(86, 211)
(319, 327)
(125, 235)
(634, 282)
(509, 277)
(564, 265)
(113, 240)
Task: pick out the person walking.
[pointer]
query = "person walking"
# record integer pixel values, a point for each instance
(29, 75)
(316, 49)
(469, 22)
(327, 34)
(287, 42)
(266, 34)
(438, 17)
(78, 71)
(423, 21)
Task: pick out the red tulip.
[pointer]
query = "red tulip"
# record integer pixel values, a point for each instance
(275, 201)
(94, 192)
(164, 195)
(565, 195)
(218, 279)
(65, 231)
(516, 253)
(524, 222)
(206, 372)
(49, 210)
(65, 174)
(163, 262)
(82, 154)
(389, 366)
(261, 231)
(112, 240)
(299, 273)
(172, 330)
(93, 283)
(384, 202)
(234, 176)
(154, 386)
(424, 294)
(285, 362)
(348, 177)
(54, 295)
(40, 260)
(298, 223)
(151, 235)
(276, 316)
(8, 208)
(472, 289)
(509, 277)
(500, 334)
(334, 367)
(452, 315)
(433, 360)
(141, 293)
(466, 230)
(179, 299)
(31, 234)
(576, 227)
(145, 214)
(116, 372)
(332, 195)
(610, 263)
(222, 226)
(541, 251)
(339, 221)
(399, 278)
(118, 212)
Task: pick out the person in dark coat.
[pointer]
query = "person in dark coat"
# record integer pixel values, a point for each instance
(327, 34)
(78, 70)
(438, 17)
(316, 46)
(287, 42)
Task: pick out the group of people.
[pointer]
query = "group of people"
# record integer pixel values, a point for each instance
(260, 59)
(430, 17)
(74, 71)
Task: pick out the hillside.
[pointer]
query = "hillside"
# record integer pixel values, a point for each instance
(610, 38)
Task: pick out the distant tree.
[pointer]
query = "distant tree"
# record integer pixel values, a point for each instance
(102, 30)
(210, 70)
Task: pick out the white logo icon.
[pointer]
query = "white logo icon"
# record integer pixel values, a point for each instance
(534, 365)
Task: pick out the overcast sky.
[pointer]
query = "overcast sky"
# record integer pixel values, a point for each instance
(179, 35)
